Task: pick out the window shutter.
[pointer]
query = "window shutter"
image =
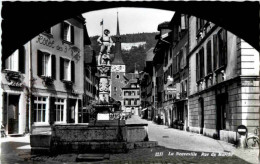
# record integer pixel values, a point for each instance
(62, 30)
(61, 68)
(224, 46)
(22, 60)
(209, 65)
(72, 34)
(197, 67)
(68, 111)
(215, 51)
(5, 108)
(202, 63)
(53, 66)
(52, 114)
(39, 62)
(4, 64)
(72, 71)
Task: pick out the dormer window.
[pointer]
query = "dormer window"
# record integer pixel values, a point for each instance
(68, 32)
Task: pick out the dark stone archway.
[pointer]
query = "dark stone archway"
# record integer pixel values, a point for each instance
(21, 21)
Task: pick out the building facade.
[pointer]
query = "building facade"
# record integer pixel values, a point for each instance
(223, 82)
(91, 83)
(131, 95)
(48, 89)
(147, 87)
(180, 70)
(163, 72)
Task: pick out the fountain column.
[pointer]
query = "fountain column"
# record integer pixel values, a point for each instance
(103, 106)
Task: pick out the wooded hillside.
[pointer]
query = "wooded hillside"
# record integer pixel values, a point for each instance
(135, 54)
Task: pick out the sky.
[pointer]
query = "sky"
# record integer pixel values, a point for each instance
(131, 20)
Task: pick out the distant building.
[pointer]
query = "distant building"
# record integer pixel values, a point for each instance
(180, 70)
(129, 46)
(131, 95)
(91, 83)
(44, 82)
(147, 87)
(162, 67)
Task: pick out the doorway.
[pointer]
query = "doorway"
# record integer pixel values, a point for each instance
(221, 113)
(201, 105)
(13, 114)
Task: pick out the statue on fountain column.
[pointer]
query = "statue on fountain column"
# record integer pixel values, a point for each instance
(106, 43)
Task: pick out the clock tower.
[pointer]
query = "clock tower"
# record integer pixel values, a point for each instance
(117, 70)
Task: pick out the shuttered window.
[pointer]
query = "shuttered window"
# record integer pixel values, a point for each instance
(46, 64)
(61, 68)
(22, 59)
(202, 70)
(72, 71)
(215, 52)
(209, 61)
(67, 70)
(39, 62)
(222, 41)
(67, 32)
(220, 49)
(53, 66)
(197, 67)
(12, 62)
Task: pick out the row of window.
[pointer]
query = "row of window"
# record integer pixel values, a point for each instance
(56, 110)
(131, 102)
(179, 62)
(219, 55)
(131, 93)
(91, 88)
(40, 109)
(46, 66)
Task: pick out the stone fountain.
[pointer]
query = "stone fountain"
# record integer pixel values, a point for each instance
(103, 134)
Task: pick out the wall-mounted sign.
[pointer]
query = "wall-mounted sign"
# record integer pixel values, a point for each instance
(241, 129)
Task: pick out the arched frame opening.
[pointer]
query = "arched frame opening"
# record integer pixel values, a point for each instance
(21, 21)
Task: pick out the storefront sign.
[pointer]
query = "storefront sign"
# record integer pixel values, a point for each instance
(50, 42)
(15, 84)
(103, 105)
(241, 129)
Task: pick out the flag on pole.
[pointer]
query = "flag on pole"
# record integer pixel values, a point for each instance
(101, 23)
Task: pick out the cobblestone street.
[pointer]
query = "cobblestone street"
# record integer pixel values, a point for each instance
(175, 146)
